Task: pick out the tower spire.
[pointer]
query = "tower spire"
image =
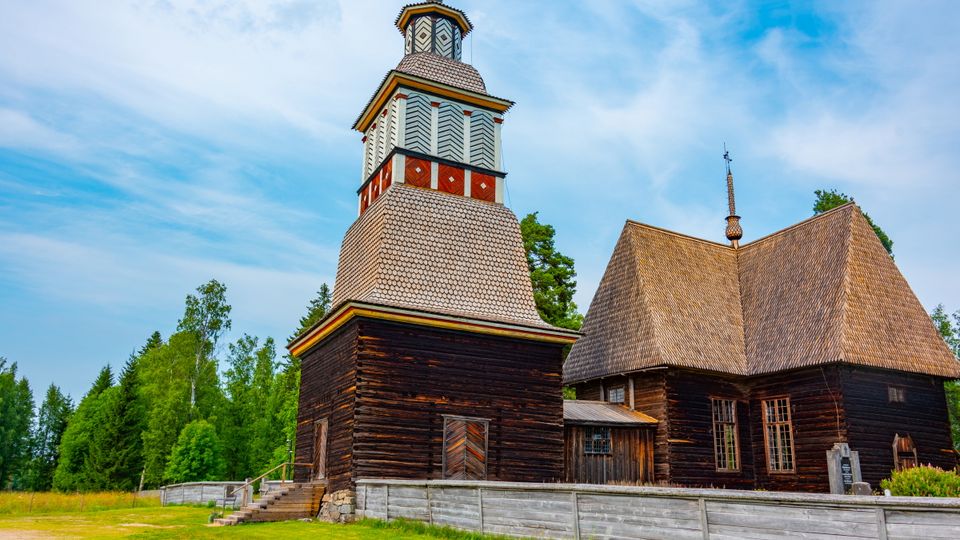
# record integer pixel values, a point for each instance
(734, 231)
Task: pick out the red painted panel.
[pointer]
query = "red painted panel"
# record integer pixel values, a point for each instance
(364, 201)
(387, 176)
(450, 179)
(417, 172)
(483, 187)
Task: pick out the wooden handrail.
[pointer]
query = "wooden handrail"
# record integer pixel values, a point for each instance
(249, 483)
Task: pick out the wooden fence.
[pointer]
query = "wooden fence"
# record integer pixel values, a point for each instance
(199, 493)
(602, 512)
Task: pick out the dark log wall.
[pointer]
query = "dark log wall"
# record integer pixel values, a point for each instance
(327, 390)
(816, 410)
(409, 376)
(590, 390)
(690, 414)
(873, 420)
(649, 397)
(629, 462)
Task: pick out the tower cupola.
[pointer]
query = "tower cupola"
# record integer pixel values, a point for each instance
(432, 124)
(433, 27)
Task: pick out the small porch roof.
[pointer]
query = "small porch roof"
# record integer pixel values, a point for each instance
(583, 412)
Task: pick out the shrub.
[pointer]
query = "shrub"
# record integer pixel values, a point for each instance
(198, 455)
(923, 481)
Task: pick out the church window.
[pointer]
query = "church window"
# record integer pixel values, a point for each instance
(596, 440)
(778, 435)
(615, 394)
(725, 440)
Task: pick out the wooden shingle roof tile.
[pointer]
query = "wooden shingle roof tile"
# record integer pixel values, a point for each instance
(821, 291)
(431, 251)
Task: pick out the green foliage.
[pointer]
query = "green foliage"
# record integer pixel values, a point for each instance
(828, 200)
(71, 472)
(316, 311)
(197, 456)
(552, 274)
(950, 330)
(45, 445)
(247, 423)
(166, 374)
(115, 459)
(16, 417)
(923, 481)
(207, 318)
(569, 392)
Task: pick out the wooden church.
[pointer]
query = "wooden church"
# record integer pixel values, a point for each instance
(433, 362)
(756, 359)
(701, 364)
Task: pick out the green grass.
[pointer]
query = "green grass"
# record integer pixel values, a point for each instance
(191, 522)
(52, 502)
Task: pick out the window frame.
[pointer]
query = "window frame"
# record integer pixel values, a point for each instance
(623, 394)
(780, 427)
(717, 439)
(896, 395)
(589, 443)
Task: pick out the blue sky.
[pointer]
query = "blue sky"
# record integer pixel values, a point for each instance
(148, 146)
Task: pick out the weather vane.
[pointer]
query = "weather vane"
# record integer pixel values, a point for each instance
(726, 156)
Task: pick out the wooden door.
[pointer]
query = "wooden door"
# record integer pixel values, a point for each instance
(320, 449)
(465, 448)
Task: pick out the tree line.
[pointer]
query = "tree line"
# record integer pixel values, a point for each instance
(181, 409)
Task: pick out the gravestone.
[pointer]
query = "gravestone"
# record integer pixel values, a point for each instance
(843, 466)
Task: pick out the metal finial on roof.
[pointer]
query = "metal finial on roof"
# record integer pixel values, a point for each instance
(734, 231)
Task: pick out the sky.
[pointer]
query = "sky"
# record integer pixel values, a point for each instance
(147, 146)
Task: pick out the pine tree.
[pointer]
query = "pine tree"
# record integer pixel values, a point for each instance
(316, 311)
(16, 418)
(197, 456)
(45, 447)
(552, 274)
(71, 472)
(115, 459)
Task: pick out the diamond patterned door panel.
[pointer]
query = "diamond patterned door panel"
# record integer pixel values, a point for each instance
(450, 179)
(464, 448)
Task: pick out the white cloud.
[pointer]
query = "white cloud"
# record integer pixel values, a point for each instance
(20, 131)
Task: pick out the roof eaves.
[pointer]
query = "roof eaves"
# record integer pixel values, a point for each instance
(505, 104)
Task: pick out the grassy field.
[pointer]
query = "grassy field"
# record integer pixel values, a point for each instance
(112, 516)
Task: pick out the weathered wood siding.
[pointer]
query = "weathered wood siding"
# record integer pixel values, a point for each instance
(410, 376)
(630, 459)
(818, 423)
(690, 430)
(328, 383)
(649, 397)
(873, 421)
(607, 512)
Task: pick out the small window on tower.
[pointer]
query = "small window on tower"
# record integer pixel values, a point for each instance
(896, 394)
(615, 394)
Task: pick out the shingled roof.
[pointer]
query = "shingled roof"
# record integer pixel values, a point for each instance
(431, 251)
(822, 291)
(443, 70)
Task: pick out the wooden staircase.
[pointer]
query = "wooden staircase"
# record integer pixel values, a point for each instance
(294, 501)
